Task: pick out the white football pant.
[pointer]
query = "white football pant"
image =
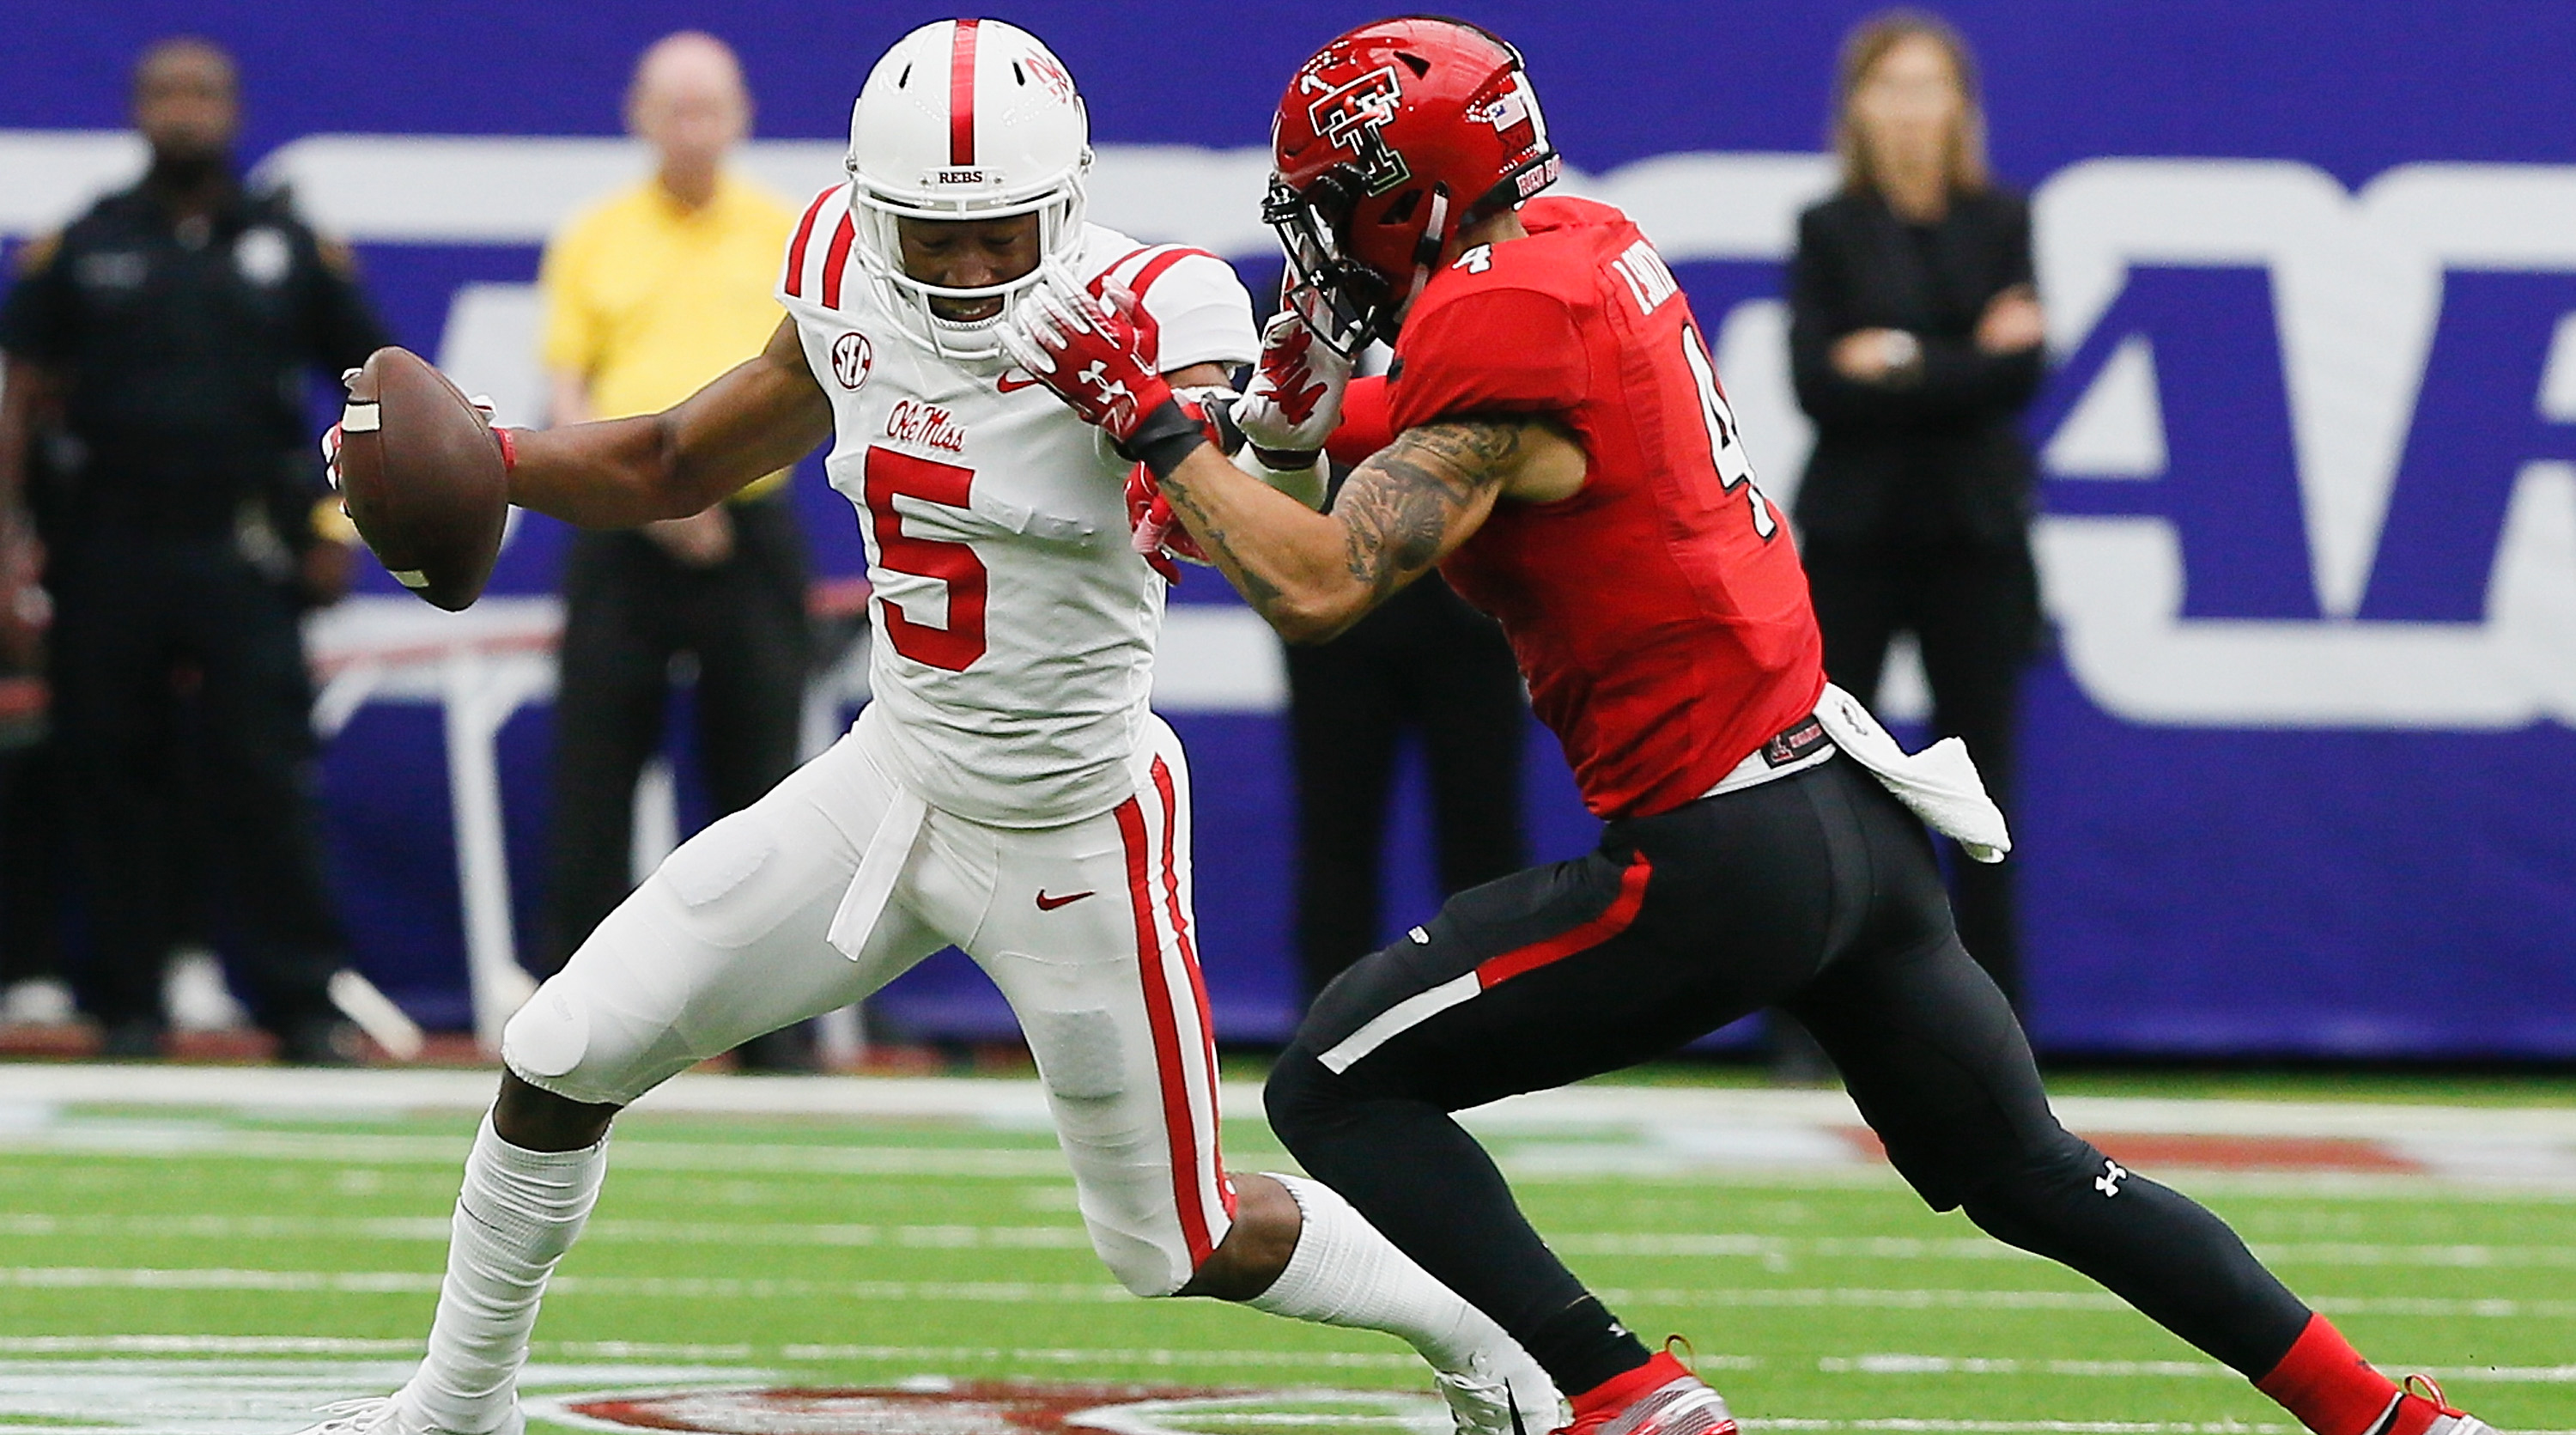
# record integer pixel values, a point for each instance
(1085, 927)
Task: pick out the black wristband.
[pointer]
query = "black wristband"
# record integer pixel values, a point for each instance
(1167, 436)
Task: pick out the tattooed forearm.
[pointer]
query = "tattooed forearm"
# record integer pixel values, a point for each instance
(1397, 509)
(1260, 592)
(1311, 575)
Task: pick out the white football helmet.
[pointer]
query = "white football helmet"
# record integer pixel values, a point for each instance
(964, 120)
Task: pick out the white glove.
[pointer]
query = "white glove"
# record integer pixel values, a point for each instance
(1296, 395)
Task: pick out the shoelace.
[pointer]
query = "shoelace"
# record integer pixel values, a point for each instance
(2430, 1391)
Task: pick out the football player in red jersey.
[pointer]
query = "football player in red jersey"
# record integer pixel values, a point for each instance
(1553, 436)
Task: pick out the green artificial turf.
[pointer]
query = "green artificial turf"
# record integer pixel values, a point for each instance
(840, 1252)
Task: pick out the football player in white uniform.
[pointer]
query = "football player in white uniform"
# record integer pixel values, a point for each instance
(1007, 791)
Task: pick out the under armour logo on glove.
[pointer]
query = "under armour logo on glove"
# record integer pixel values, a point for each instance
(2113, 1173)
(1096, 356)
(1109, 390)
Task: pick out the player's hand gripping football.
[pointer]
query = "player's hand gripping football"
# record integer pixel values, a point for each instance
(1296, 395)
(332, 439)
(1093, 353)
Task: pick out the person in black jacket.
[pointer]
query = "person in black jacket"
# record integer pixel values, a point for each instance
(174, 329)
(1915, 342)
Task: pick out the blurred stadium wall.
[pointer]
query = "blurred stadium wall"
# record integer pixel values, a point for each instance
(2299, 772)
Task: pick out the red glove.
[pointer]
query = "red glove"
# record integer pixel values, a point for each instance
(1094, 355)
(1156, 533)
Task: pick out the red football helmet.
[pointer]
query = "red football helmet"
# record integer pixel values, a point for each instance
(1390, 140)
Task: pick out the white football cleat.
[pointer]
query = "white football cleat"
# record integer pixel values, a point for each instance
(1514, 1398)
(382, 1415)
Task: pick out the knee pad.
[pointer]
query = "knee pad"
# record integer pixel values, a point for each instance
(1299, 1096)
(556, 1044)
(2024, 1205)
(548, 1037)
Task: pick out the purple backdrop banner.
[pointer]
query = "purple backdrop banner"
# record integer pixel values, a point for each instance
(2298, 768)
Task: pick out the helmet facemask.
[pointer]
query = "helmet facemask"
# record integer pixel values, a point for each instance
(1347, 302)
(879, 249)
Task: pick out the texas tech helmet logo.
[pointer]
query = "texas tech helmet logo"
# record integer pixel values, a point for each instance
(1353, 115)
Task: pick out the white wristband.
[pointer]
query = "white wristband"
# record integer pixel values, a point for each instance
(1306, 485)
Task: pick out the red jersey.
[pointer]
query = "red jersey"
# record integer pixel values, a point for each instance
(1660, 614)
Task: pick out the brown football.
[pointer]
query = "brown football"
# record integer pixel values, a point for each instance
(422, 477)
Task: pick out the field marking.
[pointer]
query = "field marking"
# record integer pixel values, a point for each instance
(246, 1397)
(2516, 1169)
(1021, 1102)
(222, 1278)
(2154, 1369)
(968, 1236)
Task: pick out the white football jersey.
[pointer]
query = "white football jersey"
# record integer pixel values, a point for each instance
(1015, 622)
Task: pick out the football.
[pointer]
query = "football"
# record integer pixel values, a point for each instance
(422, 476)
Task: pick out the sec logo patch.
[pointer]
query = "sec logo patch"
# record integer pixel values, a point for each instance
(852, 357)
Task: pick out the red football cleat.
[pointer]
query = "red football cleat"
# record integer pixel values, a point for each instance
(1671, 1401)
(2421, 1410)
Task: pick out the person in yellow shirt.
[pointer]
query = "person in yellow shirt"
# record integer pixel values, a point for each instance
(648, 295)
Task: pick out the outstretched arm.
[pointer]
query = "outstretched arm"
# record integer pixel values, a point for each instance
(755, 418)
(1312, 575)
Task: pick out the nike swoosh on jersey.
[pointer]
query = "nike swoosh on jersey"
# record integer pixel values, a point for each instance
(1049, 904)
(1006, 384)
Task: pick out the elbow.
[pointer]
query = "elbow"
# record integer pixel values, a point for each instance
(1307, 621)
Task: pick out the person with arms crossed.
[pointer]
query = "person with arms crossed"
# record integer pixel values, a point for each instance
(1008, 791)
(1914, 338)
(1554, 438)
(647, 296)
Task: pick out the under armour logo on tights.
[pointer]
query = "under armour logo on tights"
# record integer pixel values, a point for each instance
(2113, 1173)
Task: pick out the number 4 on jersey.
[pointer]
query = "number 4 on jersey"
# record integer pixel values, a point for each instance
(1725, 444)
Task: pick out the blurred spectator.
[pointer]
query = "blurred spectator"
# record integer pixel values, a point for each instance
(1427, 664)
(161, 346)
(1915, 342)
(648, 296)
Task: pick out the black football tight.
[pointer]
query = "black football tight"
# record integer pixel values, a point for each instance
(1816, 893)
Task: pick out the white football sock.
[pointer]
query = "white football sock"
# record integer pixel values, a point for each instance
(516, 1215)
(1344, 1272)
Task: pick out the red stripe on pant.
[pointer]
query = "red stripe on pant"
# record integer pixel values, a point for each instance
(1179, 1130)
(1613, 920)
(1190, 963)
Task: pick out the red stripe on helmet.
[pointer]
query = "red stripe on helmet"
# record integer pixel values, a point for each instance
(961, 95)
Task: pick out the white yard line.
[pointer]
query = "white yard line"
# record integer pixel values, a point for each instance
(1020, 1102)
(2153, 1369)
(224, 1278)
(1707, 1245)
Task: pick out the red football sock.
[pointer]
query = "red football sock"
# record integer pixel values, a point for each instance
(2326, 1383)
(1616, 1392)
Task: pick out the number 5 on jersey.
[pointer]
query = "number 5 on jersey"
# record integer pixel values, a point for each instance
(891, 475)
(1725, 443)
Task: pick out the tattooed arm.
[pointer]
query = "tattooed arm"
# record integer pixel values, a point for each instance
(1313, 575)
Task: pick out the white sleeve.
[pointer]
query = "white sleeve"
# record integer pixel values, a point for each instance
(1201, 312)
